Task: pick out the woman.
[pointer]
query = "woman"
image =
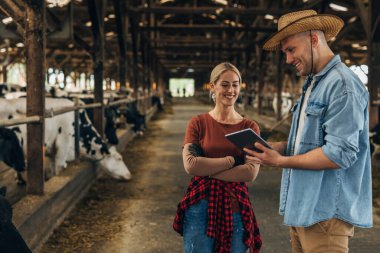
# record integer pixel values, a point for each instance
(215, 215)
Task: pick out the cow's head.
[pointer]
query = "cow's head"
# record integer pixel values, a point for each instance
(11, 151)
(114, 165)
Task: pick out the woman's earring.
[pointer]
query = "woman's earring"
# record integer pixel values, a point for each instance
(212, 96)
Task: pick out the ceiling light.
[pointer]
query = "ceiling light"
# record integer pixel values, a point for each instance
(57, 3)
(109, 34)
(355, 45)
(3, 50)
(269, 17)
(88, 24)
(190, 70)
(7, 20)
(166, 16)
(20, 44)
(337, 7)
(223, 2)
(165, 1)
(218, 11)
(353, 19)
(212, 16)
(111, 16)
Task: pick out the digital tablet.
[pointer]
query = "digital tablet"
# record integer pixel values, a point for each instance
(246, 138)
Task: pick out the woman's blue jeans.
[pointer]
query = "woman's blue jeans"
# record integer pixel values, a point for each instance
(195, 226)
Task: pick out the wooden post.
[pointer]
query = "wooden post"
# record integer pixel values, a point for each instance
(35, 43)
(96, 11)
(278, 85)
(260, 78)
(134, 30)
(119, 7)
(5, 74)
(77, 129)
(373, 59)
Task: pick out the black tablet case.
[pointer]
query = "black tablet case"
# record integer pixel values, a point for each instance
(246, 138)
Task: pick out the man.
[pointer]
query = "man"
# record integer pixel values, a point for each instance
(326, 181)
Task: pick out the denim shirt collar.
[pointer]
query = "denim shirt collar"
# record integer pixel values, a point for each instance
(335, 60)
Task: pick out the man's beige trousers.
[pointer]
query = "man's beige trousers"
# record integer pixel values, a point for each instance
(329, 236)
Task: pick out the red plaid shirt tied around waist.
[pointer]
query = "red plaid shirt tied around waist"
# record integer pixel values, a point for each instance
(220, 219)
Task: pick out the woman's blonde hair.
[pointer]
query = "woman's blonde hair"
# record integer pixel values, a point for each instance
(220, 69)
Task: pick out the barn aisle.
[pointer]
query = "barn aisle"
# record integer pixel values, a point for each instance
(135, 216)
(119, 217)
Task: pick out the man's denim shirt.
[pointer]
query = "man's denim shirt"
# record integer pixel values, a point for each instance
(336, 120)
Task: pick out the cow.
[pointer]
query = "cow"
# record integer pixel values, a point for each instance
(11, 152)
(133, 116)
(10, 238)
(110, 113)
(59, 138)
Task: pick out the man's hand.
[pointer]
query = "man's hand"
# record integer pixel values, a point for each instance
(268, 156)
(279, 146)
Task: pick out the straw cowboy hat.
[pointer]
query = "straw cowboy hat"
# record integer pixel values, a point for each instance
(301, 21)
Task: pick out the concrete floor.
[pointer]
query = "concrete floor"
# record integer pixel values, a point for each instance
(137, 216)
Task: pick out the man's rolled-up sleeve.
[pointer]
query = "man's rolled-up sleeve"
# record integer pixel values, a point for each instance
(344, 120)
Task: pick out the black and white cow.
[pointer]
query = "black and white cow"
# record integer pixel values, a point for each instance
(10, 238)
(110, 115)
(59, 138)
(11, 151)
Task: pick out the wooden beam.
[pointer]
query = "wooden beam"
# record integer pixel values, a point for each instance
(10, 34)
(35, 43)
(220, 11)
(196, 28)
(13, 11)
(82, 43)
